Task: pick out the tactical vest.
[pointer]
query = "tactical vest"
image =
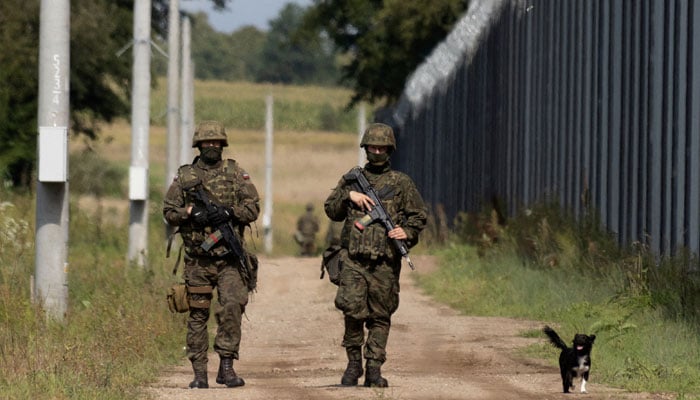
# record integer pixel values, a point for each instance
(221, 184)
(373, 242)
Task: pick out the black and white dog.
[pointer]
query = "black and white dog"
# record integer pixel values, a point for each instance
(573, 361)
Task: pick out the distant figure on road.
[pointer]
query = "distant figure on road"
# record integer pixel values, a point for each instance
(307, 227)
(231, 201)
(368, 293)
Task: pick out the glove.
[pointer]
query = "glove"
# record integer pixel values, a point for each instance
(220, 216)
(199, 215)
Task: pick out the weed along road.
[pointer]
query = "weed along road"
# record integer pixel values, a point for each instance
(291, 349)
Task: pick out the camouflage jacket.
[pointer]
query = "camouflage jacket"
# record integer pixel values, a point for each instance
(400, 198)
(226, 183)
(308, 224)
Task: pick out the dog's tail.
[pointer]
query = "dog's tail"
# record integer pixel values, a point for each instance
(554, 338)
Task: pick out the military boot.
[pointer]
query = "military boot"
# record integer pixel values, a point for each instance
(373, 377)
(352, 373)
(200, 378)
(227, 376)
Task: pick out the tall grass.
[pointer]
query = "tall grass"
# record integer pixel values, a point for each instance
(548, 266)
(117, 332)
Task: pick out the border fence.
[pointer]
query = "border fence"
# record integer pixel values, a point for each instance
(589, 103)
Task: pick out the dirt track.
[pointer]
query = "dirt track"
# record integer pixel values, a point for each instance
(291, 349)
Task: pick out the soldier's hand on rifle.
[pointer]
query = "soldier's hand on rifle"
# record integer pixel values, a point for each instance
(398, 233)
(220, 216)
(199, 215)
(361, 200)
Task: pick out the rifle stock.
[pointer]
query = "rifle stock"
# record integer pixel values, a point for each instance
(377, 213)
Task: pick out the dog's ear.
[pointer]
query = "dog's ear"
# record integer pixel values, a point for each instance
(592, 338)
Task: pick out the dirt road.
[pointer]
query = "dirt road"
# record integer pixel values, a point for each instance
(291, 349)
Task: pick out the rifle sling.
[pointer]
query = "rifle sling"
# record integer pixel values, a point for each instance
(179, 257)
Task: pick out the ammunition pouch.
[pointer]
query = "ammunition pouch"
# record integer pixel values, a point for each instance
(371, 242)
(177, 299)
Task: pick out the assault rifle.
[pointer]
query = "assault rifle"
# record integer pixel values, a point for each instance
(377, 213)
(223, 233)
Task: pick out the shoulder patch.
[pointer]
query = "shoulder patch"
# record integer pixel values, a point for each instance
(245, 175)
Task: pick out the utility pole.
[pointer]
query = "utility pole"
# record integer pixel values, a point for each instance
(52, 196)
(187, 99)
(267, 215)
(173, 128)
(140, 103)
(361, 126)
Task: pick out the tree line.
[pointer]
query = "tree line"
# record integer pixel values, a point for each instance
(251, 54)
(370, 46)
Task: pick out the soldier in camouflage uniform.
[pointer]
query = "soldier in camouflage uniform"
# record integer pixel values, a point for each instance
(229, 186)
(307, 227)
(368, 293)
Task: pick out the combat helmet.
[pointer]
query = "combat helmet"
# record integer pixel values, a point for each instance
(379, 134)
(209, 130)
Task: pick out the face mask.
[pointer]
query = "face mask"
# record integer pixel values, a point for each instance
(377, 158)
(211, 155)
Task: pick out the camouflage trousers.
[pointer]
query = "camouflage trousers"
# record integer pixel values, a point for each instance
(368, 295)
(232, 298)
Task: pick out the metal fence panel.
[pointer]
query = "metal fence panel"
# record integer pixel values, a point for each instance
(592, 103)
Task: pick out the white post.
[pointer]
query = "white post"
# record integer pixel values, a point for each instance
(361, 126)
(187, 101)
(52, 217)
(173, 131)
(140, 103)
(267, 215)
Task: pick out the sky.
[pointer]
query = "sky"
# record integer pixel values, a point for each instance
(240, 13)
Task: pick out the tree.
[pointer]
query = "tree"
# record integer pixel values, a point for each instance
(384, 40)
(99, 79)
(246, 47)
(225, 56)
(251, 54)
(290, 58)
(18, 87)
(160, 10)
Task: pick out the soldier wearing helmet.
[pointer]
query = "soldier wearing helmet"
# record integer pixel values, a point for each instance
(307, 227)
(229, 188)
(368, 293)
(209, 130)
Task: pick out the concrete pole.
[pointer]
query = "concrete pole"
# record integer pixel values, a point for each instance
(140, 103)
(173, 128)
(361, 126)
(51, 265)
(187, 100)
(267, 215)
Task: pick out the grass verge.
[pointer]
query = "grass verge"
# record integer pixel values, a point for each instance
(112, 338)
(647, 339)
